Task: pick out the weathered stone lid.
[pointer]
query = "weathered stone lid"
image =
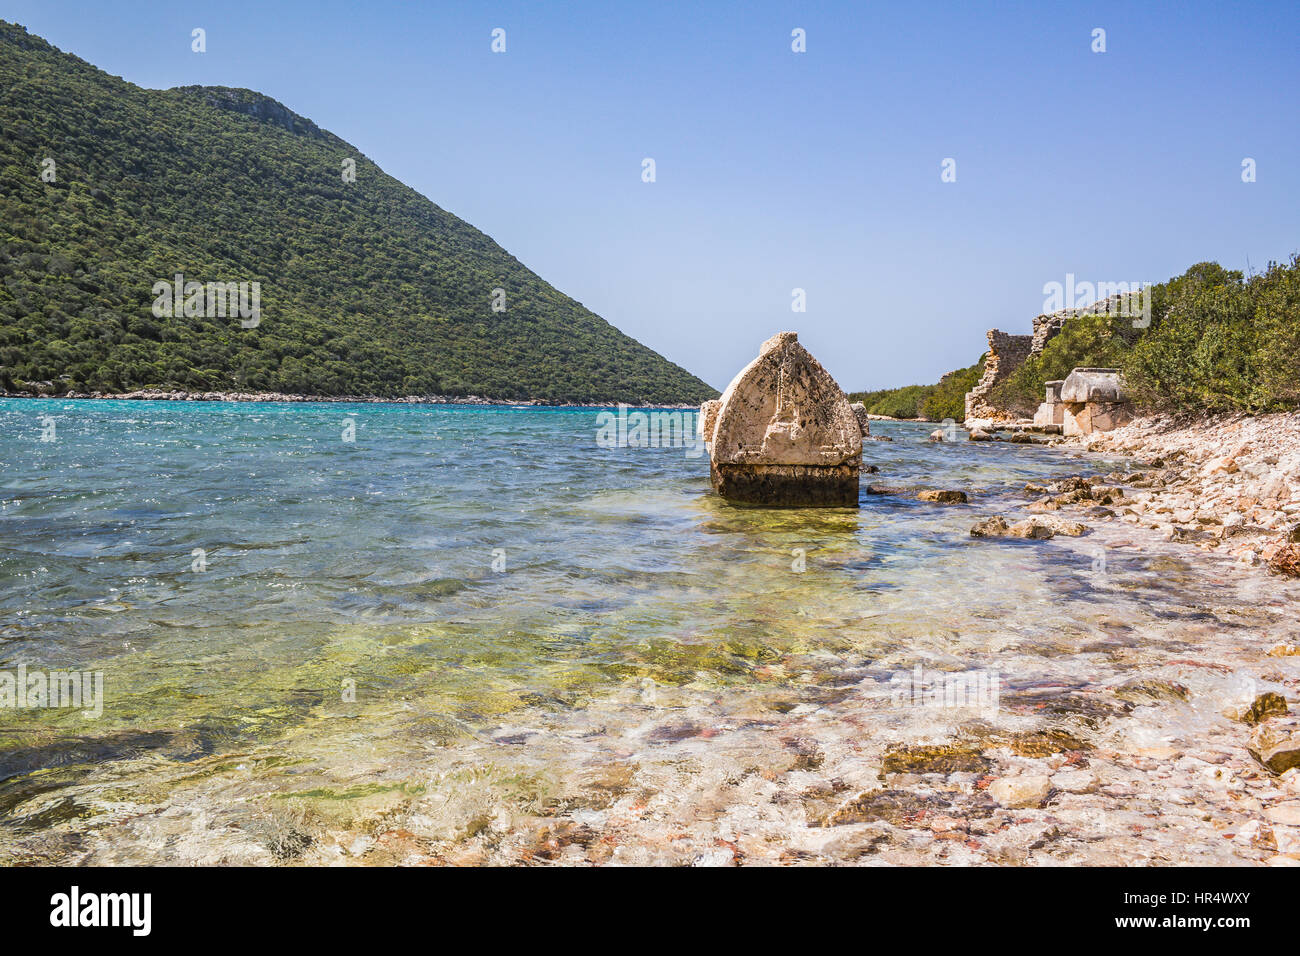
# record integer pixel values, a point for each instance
(1094, 385)
(783, 408)
(780, 340)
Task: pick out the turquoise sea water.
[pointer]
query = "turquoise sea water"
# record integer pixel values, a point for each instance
(457, 570)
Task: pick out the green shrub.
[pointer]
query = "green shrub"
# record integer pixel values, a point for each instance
(1216, 342)
(1277, 312)
(902, 402)
(948, 398)
(932, 403)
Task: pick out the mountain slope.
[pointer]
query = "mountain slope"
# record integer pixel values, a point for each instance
(367, 288)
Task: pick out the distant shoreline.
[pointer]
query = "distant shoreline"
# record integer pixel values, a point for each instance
(161, 395)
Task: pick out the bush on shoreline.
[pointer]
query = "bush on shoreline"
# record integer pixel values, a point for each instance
(948, 398)
(932, 403)
(1218, 342)
(902, 402)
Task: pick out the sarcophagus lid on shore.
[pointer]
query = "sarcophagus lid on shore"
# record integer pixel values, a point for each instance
(1093, 385)
(783, 432)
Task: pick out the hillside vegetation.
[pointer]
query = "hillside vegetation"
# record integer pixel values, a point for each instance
(1218, 341)
(945, 399)
(367, 287)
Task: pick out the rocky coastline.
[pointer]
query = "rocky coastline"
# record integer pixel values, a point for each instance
(1228, 484)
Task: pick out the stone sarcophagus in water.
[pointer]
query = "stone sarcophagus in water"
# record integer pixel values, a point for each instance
(784, 433)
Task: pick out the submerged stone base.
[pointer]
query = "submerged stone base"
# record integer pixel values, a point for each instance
(788, 486)
(783, 433)
(1084, 418)
(1050, 413)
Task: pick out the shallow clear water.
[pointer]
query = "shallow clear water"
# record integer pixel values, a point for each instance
(477, 608)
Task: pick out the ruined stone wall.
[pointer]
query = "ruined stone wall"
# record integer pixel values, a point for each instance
(1046, 327)
(1006, 354)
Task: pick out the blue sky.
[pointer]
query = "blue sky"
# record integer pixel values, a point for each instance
(779, 170)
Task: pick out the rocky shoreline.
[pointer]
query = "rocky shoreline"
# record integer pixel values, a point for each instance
(171, 395)
(1228, 484)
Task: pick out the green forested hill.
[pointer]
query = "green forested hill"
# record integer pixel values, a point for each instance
(367, 288)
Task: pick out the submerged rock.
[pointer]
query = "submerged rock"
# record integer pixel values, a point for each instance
(1071, 529)
(1264, 706)
(1057, 524)
(1034, 529)
(1075, 781)
(1148, 690)
(1276, 744)
(994, 527)
(1284, 560)
(783, 432)
(944, 497)
(900, 808)
(953, 757)
(1026, 790)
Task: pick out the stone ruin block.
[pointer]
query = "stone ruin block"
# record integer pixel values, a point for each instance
(1096, 417)
(864, 420)
(1052, 411)
(1094, 401)
(1093, 385)
(784, 433)
(708, 419)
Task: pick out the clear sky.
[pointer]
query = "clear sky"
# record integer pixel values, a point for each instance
(779, 170)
